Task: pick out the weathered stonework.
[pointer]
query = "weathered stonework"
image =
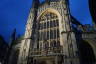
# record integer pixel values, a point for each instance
(33, 49)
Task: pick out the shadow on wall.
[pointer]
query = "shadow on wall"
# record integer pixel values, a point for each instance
(86, 53)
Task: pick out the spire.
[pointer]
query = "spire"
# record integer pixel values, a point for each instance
(13, 36)
(35, 3)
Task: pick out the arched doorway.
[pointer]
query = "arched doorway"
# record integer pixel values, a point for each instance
(86, 53)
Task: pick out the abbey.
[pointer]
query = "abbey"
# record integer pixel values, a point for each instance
(52, 36)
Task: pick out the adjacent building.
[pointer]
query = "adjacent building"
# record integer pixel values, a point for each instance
(3, 50)
(14, 48)
(14, 51)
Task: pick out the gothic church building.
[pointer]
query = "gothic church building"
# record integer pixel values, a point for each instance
(50, 37)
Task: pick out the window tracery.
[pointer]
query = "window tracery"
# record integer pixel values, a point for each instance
(48, 28)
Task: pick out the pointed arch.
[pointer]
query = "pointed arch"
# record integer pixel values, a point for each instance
(51, 11)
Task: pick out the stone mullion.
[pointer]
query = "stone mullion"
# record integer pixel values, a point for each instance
(41, 24)
(49, 33)
(53, 31)
(39, 32)
(43, 33)
(36, 36)
(56, 32)
(46, 28)
(40, 35)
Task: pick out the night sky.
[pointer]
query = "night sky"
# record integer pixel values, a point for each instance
(14, 14)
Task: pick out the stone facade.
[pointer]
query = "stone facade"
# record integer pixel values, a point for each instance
(50, 37)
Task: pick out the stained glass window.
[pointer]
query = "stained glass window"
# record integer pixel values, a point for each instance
(48, 27)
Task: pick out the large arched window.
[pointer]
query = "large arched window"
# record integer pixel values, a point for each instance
(48, 28)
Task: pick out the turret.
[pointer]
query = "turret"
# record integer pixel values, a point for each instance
(13, 36)
(35, 3)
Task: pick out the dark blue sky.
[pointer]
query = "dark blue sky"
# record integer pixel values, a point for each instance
(14, 13)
